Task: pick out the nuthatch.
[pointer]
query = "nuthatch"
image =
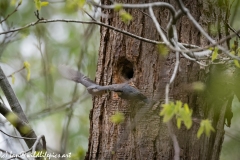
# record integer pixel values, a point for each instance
(124, 90)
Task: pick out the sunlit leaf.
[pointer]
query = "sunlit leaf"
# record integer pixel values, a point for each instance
(205, 127)
(163, 49)
(117, 118)
(125, 17)
(214, 54)
(185, 115)
(27, 67)
(117, 7)
(13, 2)
(200, 131)
(13, 78)
(44, 4)
(179, 121)
(39, 4)
(81, 3)
(236, 62)
(168, 111)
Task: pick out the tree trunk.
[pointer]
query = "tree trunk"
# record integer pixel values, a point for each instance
(143, 135)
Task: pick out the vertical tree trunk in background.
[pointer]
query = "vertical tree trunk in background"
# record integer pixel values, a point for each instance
(143, 135)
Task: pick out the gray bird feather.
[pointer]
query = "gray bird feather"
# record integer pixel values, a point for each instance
(124, 90)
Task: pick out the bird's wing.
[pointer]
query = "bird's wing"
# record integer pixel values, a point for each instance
(74, 75)
(113, 87)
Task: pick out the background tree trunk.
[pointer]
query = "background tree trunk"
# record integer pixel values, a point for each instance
(143, 135)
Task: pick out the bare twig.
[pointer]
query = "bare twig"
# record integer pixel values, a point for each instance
(232, 29)
(15, 10)
(16, 136)
(37, 142)
(197, 25)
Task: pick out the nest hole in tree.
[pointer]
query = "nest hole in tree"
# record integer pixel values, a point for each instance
(125, 69)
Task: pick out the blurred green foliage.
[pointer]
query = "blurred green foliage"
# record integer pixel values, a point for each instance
(48, 100)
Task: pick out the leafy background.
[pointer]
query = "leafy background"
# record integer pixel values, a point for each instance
(56, 107)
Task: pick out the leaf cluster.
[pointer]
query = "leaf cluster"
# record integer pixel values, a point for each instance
(183, 114)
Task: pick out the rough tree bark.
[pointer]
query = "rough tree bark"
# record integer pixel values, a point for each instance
(143, 135)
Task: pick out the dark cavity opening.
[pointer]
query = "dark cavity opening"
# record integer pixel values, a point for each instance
(126, 69)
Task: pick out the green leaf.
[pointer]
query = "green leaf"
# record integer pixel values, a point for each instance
(44, 4)
(168, 111)
(81, 3)
(39, 4)
(27, 67)
(13, 2)
(179, 121)
(185, 115)
(126, 17)
(13, 78)
(206, 127)
(200, 131)
(215, 54)
(117, 7)
(163, 49)
(117, 118)
(236, 62)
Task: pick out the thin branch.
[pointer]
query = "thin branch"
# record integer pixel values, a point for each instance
(197, 25)
(131, 6)
(16, 136)
(37, 142)
(15, 10)
(169, 123)
(54, 109)
(10, 75)
(160, 31)
(232, 29)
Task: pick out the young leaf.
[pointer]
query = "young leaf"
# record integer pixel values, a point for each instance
(117, 7)
(38, 4)
(236, 62)
(27, 67)
(163, 49)
(126, 17)
(206, 127)
(13, 79)
(215, 54)
(200, 131)
(44, 4)
(81, 3)
(184, 115)
(13, 2)
(168, 111)
(117, 118)
(179, 121)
